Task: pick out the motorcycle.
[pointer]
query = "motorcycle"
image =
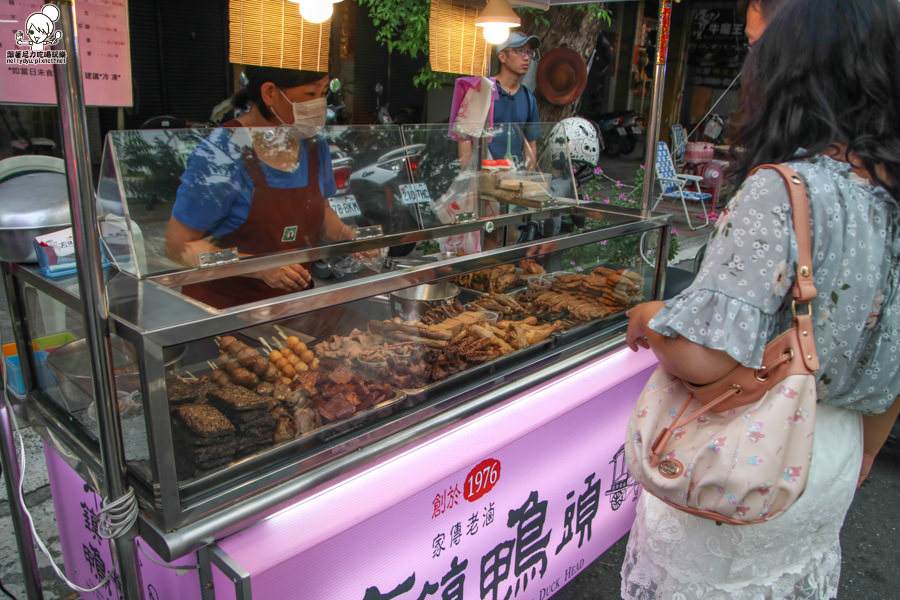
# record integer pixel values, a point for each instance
(385, 195)
(336, 113)
(621, 131)
(382, 113)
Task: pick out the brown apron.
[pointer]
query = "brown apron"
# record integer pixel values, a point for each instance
(279, 219)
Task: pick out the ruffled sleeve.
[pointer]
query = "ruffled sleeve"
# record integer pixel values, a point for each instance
(747, 272)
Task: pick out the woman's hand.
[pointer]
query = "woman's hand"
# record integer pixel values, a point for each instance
(291, 278)
(638, 317)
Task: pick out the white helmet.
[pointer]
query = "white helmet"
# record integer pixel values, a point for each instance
(577, 137)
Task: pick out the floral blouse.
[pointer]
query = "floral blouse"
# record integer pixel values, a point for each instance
(740, 298)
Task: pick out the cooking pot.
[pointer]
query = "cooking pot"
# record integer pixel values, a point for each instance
(410, 304)
(34, 200)
(72, 365)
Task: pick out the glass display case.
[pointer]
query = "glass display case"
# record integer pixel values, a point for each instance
(451, 284)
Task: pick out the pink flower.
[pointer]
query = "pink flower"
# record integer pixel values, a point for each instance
(579, 269)
(603, 242)
(674, 230)
(621, 196)
(620, 184)
(571, 262)
(598, 171)
(606, 201)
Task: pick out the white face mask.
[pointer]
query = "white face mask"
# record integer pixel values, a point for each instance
(309, 116)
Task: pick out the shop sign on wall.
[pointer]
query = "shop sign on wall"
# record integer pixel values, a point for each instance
(31, 43)
(716, 47)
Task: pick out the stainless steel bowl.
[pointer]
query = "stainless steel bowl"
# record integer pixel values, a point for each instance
(72, 365)
(410, 304)
(34, 200)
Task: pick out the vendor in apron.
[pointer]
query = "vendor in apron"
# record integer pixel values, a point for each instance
(259, 187)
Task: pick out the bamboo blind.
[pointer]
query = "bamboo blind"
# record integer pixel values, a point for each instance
(271, 33)
(455, 45)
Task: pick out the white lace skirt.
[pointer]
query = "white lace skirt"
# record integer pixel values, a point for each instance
(677, 556)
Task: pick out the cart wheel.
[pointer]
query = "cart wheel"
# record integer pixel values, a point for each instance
(616, 500)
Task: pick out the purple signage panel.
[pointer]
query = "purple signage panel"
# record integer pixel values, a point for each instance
(87, 557)
(511, 503)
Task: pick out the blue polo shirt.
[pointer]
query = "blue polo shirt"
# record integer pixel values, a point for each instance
(520, 107)
(216, 189)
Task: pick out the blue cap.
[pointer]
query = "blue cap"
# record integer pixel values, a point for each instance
(517, 39)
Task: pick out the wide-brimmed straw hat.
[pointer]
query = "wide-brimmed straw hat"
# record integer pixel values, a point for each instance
(562, 75)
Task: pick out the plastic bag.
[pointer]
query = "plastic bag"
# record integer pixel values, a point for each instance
(460, 197)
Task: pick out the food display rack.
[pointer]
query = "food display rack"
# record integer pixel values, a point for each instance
(152, 317)
(285, 508)
(196, 516)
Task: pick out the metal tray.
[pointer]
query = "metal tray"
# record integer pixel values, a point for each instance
(306, 443)
(417, 395)
(580, 331)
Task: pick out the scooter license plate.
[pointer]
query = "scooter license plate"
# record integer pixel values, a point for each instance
(414, 193)
(621, 131)
(635, 130)
(345, 206)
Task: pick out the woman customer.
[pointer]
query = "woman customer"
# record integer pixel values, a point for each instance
(820, 93)
(259, 187)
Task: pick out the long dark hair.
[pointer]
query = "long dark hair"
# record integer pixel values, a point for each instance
(255, 77)
(824, 72)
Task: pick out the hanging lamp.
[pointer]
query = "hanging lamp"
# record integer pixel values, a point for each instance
(496, 19)
(316, 11)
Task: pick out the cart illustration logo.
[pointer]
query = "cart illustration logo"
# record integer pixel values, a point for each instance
(40, 33)
(623, 483)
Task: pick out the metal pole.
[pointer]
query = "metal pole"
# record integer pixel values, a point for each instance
(659, 82)
(70, 97)
(24, 539)
(11, 472)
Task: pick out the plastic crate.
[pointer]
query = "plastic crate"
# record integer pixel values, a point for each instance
(49, 342)
(14, 380)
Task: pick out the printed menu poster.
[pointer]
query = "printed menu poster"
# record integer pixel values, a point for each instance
(31, 43)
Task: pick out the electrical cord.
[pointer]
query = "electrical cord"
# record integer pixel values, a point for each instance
(713, 107)
(3, 589)
(6, 592)
(114, 519)
(179, 569)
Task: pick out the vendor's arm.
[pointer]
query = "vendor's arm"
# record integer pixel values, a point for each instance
(465, 153)
(185, 244)
(333, 229)
(530, 154)
(678, 355)
(876, 430)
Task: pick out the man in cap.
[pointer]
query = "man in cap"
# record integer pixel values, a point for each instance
(516, 104)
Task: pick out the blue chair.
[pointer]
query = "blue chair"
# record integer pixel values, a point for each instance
(673, 185)
(679, 146)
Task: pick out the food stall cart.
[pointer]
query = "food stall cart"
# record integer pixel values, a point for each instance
(469, 446)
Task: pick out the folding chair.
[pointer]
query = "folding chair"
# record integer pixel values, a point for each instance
(672, 185)
(679, 145)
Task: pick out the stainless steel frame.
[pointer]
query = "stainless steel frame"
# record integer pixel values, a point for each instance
(179, 517)
(174, 523)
